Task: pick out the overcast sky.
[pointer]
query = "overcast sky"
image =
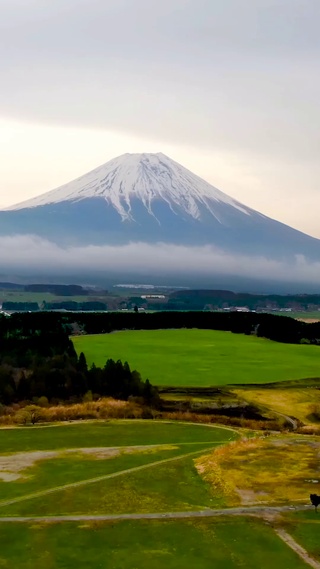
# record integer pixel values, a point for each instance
(229, 88)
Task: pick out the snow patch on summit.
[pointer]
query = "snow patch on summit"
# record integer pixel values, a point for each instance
(146, 177)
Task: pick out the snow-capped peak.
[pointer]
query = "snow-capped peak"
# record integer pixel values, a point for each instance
(146, 177)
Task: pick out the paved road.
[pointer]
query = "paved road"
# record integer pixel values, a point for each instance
(253, 510)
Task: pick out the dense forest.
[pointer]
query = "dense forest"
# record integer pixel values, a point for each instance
(37, 359)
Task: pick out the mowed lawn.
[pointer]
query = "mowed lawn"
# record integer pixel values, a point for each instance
(222, 544)
(70, 459)
(108, 434)
(202, 358)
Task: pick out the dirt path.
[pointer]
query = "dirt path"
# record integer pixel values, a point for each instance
(303, 554)
(289, 420)
(104, 477)
(253, 510)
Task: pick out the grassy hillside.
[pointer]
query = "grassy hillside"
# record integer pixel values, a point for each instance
(202, 358)
(301, 400)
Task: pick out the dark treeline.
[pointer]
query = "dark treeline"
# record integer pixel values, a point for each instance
(70, 305)
(198, 299)
(20, 306)
(90, 306)
(38, 359)
(277, 328)
(66, 378)
(58, 290)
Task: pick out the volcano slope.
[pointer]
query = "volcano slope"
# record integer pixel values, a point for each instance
(151, 199)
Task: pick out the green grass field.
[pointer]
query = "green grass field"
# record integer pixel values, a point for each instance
(125, 468)
(305, 528)
(35, 460)
(222, 544)
(202, 358)
(107, 434)
(170, 486)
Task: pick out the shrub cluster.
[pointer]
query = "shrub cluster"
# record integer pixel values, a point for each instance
(106, 408)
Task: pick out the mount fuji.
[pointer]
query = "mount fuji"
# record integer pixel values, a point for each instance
(149, 198)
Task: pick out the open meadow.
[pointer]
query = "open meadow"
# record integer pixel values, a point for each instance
(98, 467)
(131, 494)
(202, 358)
(223, 543)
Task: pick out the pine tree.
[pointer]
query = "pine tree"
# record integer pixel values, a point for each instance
(82, 363)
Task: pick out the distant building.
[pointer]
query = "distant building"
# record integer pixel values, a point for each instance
(145, 296)
(237, 309)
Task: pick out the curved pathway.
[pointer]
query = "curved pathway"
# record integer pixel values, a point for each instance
(292, 422)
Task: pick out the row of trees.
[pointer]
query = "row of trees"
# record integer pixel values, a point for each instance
(93, 305)
(273, 327)
(62, 378)
(277, 328)
(70, 305)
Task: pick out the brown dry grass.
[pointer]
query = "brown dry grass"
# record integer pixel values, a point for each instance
(294, 402)
(280, 469)
(107, 408)
(236, 422)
